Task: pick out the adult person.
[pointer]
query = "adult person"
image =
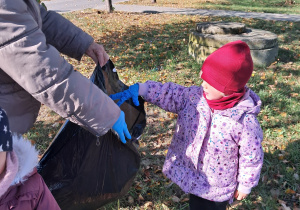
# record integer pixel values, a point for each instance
(32, 71)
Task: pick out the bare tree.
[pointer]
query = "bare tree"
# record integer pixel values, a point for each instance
(109, 6)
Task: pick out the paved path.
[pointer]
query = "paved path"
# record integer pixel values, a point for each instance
(71, 5)
(62, 6)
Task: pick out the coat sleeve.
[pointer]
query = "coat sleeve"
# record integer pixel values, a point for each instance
(251, 154)
(64, 35)
(38, 68)
(169, 96)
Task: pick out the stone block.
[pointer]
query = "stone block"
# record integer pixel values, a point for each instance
(263, 44)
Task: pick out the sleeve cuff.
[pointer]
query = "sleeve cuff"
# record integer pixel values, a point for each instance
(143, 89)
(243, 189)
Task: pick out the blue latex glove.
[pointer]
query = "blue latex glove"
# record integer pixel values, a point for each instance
(121, 128)
(131, 92)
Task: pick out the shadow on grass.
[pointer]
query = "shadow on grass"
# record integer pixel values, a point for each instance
(147, 48)
(279, 180)
(151, 188)
(42, 134)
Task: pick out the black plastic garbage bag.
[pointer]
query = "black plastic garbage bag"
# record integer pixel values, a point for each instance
(84, 172)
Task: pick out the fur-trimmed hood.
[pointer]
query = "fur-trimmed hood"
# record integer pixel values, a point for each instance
(19, 163)
(27, 157)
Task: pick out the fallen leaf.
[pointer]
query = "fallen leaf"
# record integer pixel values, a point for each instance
(296, 176)
(175, 199)
(283, 204)
(145, 162)
(283, 114)
(275, 193)
(140, 198)
(185, 200)
(165, 207)
(169, 184)
(294, 94)
(55, 125)
(264, 179)
(138, 187)
(289, 169)
(158, 171)
(130, 200)
(280, 156)
(236, 204)
(147, 173)
(148, 204)
(289, 191)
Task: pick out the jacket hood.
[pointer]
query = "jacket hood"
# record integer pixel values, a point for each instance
(27, 157)
(20, 163)
(249, 104)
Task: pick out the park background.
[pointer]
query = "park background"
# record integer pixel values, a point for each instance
(145, 46)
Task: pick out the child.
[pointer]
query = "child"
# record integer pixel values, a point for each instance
(21, 187)
(216, 153)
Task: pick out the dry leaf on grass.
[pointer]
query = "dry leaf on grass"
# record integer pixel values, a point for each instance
(275, 193)
(175, 199)
(283, 205)
(147, 205)
(130, 200)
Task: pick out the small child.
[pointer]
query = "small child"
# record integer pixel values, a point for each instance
(21, 187)
(216, 153)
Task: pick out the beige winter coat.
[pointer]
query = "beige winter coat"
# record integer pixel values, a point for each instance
(33, 72)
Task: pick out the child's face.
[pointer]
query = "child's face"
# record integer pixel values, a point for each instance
(211, 92)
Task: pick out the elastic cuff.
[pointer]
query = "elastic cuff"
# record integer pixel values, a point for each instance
(143, 89)
(244, 189)
(86, 42)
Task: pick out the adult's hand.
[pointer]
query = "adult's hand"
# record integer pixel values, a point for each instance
(97, 53)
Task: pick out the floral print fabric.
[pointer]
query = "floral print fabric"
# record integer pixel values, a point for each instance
(210, 153)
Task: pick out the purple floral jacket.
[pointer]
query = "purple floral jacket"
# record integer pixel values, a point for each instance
(211, 154)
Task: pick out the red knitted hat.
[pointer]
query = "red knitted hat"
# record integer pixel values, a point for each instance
(229, 68)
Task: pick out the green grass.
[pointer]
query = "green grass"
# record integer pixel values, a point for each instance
(154, 46)
(268, 6)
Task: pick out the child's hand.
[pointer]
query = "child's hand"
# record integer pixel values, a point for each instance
(239, 195)
(131, 92)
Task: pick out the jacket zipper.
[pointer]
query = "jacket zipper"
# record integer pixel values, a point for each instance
(212, 113)
(93, 131)
(33, 9)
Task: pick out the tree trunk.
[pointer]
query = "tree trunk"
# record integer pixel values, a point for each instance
(109, 6)
(289, 2)
(153, 1)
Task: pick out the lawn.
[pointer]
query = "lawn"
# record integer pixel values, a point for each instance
(269, 6)
(155, 47)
